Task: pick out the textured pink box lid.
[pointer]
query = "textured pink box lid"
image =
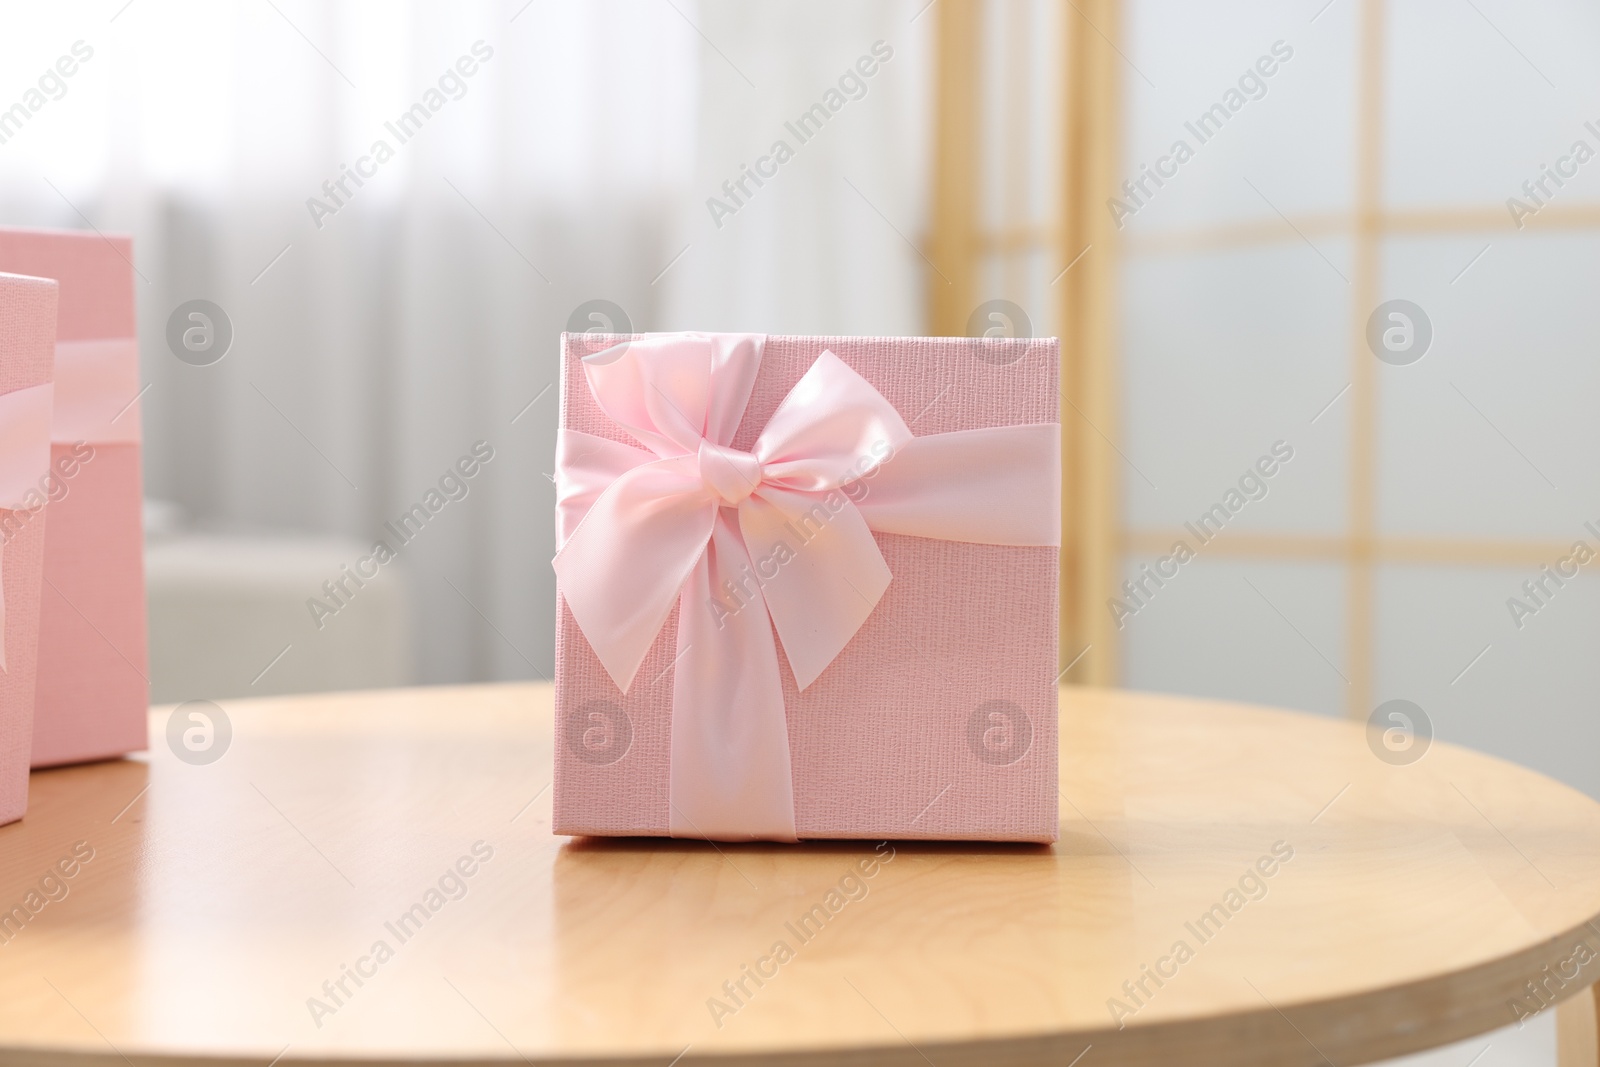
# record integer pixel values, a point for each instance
(899, 737)
(27, 358)
(92, 689)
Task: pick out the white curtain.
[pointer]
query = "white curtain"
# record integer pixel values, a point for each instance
(561, 153)
(826, 245)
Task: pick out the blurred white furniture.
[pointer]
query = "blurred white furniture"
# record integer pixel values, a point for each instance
(229, 617)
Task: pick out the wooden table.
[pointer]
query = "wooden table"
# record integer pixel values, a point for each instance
(226, 905)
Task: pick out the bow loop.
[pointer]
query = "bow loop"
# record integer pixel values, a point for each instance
(670, 391)
(832, 428)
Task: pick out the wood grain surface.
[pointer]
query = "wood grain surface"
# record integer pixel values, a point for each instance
(371, 878)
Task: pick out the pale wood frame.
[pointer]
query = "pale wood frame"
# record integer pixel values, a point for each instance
(1090, 556)
(957, 245)
(1094, 539)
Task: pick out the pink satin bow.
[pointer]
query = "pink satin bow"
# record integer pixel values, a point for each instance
(735, 539)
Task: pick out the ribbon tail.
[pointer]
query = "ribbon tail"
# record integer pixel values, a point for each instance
(731, 779)
(585, 468)
(820, 570)
(621, 569)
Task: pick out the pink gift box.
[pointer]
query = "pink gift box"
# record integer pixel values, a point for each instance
(93, 692)
(938, 720)
(27, 356)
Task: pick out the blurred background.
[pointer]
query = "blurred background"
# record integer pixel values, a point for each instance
(1349, 241)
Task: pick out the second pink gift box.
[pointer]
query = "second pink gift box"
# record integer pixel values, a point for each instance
(93, 695)
(807, 587)
(27, 353)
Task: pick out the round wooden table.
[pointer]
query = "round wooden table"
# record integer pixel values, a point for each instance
(371, 878)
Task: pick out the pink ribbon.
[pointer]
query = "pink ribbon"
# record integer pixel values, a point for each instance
(745, 543)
